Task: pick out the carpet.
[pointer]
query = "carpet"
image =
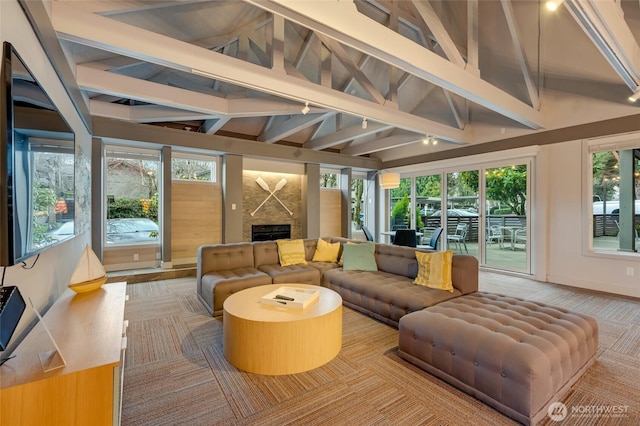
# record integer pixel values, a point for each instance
(176, 374)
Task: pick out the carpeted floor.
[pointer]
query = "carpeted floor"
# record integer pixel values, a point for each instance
(176, 373)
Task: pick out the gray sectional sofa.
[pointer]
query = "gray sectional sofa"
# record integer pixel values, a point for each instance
(224, 269)
(517, 356)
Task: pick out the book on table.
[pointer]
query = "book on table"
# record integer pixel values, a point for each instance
(291, 297)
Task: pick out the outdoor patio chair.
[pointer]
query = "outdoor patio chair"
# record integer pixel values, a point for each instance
(495, 234)
(460, 236)
(520, 237)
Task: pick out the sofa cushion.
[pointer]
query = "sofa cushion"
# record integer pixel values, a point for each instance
(434, 270)
(299, 274)
(397, 260)
(224, 257)
(359, 257)
(291, 252)
(326, 252)
(384, 296)
(217, 286)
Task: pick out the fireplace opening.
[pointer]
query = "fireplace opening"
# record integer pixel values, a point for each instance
(270, 232)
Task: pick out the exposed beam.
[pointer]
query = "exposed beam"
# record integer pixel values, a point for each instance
(292, 125)
(344, 135)
(439, 32)
(124, 39)
(360, 32)
(607, 29)
(144, 113)
(132, 88)
(382, 144)
(210, 127)
(114, 130)
(520, 53)
(353, 69)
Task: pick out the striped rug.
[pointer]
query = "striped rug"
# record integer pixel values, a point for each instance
(176, 373)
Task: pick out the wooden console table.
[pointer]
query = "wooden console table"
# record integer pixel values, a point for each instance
(90, 330)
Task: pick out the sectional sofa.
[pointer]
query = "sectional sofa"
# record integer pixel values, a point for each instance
(517, 356)
(224, 269)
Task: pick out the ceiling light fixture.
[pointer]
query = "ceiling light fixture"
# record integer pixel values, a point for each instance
(635, 96)
(305, 109)
(364, 122)
(553, 5)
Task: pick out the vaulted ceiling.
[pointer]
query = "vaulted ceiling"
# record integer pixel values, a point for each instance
(379, 77)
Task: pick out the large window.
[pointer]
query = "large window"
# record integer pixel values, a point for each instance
(132, 188)
(614, 195)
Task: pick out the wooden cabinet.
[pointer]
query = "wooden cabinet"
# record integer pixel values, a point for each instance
(90, 331)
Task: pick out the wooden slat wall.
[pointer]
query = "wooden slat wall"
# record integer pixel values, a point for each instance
(196, 218)
(330, 223)
(120, 258)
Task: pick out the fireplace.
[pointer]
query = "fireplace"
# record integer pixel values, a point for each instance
(270, 232)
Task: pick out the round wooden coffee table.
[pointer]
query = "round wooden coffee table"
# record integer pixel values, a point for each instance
(267, 339)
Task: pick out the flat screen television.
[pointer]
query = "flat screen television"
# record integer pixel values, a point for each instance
(37, 153)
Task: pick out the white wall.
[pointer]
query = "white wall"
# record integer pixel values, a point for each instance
(568, 261)
(50, 275)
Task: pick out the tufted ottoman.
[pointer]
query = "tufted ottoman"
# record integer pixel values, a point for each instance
(515, 355)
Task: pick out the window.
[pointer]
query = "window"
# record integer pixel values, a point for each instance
(193, 168)
(614, 194)
(329, 179)
(132, 188)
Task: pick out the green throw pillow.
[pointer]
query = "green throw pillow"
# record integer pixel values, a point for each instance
(359, 257)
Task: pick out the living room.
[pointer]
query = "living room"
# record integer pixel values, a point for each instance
(560, 201)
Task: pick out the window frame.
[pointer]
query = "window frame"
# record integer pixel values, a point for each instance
(589, 146)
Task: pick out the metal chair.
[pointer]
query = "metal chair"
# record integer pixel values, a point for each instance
(495, 234)
(405, 237)
(520, 236)
(433, 242)
(460, 236)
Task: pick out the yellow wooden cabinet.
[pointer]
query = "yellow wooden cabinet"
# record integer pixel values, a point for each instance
(90, 331)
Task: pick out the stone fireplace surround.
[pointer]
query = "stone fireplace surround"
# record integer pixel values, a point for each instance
(271, 212)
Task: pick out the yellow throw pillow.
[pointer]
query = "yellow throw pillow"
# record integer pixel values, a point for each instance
(434, 270)
(291, 252)
(326, 252)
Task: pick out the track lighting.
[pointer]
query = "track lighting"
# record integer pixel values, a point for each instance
(364, 122)
(430, 140)
(305, 110)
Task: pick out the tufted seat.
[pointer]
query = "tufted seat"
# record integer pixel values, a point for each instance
(517, 356)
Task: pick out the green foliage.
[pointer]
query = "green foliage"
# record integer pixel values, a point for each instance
(605, 174)
(43, 199)
(329, 180)
(357, 187)
(428, 186)
(509, 186)
(122, 208)
(400, 209)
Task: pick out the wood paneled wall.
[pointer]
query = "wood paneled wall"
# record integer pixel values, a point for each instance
(196, 218)
(330, 219)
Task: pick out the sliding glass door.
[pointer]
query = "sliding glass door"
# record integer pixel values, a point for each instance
(507, 237)
(483, 212)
